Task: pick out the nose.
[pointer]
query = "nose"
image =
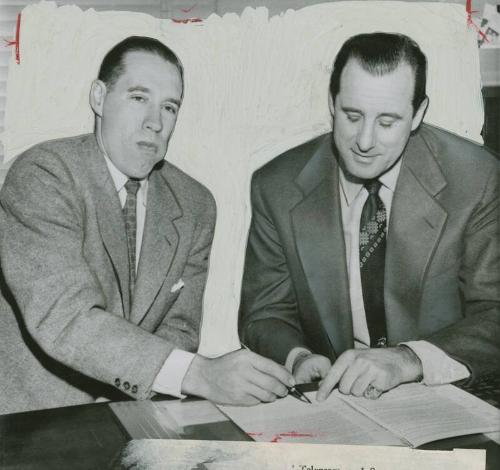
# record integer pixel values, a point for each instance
(366, 137)
(153, 120)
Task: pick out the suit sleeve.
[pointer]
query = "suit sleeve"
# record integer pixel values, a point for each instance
(181, 325)
(269, 317)
(59, 299)
(475, 340)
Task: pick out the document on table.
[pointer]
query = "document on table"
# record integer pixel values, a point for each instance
(411, 415)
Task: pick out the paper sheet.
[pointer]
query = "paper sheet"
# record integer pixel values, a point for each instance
(421, 414)
(290, 420)
(412, 414)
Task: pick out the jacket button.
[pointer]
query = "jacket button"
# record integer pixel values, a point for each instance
(134, 388)
(126, 385)
(117, 382)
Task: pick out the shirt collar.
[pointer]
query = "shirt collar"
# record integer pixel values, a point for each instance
(351, 189)
(119, 179)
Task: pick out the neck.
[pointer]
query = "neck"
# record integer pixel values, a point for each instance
(98, 135)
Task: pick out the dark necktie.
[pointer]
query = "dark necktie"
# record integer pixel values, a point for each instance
(372, 238)
(129, 214)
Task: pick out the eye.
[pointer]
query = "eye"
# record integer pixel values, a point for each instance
(353, 117)
(170, 108)
(138, 98)
(385, 123)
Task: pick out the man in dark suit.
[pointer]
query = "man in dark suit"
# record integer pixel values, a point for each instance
(376, 247)
(104, 253)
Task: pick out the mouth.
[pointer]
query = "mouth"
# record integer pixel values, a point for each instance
(364, 156)
(147, 146)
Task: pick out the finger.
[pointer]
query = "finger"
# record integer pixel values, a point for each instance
(307, 374)
(383, 382)
(322, 367)
(267, 383)
(354, 371)
(240, 400)
(260, 394)
(312, 368)
(273, 369)
(334, 375)
(361, 384)
(304, 374)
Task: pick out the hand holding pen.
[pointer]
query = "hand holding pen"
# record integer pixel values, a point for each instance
(292, 390)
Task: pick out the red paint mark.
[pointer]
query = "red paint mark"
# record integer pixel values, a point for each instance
(470, 21)
(187, 10)
(255, 433)
(281, 435)
(188, 20)
(18, 34)
(16, 41)
(295, 434)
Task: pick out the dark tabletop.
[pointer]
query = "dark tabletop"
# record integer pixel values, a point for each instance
(91, 437)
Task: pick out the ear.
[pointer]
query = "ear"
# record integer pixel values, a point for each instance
(331, 104)
(419, 115)
(97, 95)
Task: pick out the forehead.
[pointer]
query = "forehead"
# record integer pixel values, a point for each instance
(146, 69)
(362, 89)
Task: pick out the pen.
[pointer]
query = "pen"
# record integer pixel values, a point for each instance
(296, 393)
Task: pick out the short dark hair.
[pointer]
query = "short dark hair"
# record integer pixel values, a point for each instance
(379, 54)
(113, 66)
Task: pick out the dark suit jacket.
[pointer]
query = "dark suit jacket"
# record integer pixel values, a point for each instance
(442, 277)
(68, 332)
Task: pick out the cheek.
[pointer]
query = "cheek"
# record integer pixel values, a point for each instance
(121, 131)
(344, 133)
(394, 142)
(170, 123)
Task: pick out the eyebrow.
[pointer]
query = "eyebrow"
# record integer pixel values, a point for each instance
(386, 115)
(147, 90)
(391, 115)
(138, 88)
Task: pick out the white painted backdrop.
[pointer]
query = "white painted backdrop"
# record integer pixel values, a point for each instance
(254, 86)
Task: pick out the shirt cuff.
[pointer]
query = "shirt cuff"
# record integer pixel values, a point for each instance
(292, 356)
(169, 379)
(438, 368)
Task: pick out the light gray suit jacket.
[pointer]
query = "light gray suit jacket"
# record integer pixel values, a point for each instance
(442, 276)
(68, 331)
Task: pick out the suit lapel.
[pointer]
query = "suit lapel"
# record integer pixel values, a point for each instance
(416, 223)
(317, 226)
(159, 244)
(109, 217)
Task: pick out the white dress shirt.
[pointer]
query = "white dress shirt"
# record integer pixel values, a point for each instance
(438, 367)
(171, 375)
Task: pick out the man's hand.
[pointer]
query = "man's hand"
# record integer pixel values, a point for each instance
(237, 378)
(310, 367)
(370, 372)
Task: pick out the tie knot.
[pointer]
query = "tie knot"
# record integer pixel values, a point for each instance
(132, 186)
(373, 187)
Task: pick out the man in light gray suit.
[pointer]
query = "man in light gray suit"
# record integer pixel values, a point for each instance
(376, 246)
(104, 255)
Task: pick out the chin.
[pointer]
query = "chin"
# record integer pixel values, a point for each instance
(364, 173)
(142, 175)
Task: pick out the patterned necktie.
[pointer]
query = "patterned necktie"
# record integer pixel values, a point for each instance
(129, 214)
(372, 240)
